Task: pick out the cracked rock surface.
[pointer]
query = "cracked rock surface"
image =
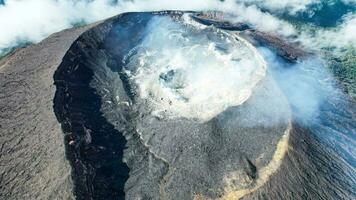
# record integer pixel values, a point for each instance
(73, 127)
(33, 163)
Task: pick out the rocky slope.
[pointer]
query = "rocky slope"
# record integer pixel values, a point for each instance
(90, 135)
(33, 163)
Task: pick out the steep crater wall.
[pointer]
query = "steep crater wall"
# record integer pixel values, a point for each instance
(101, 117)
(91, 103)
(94, 146)
(118, 150)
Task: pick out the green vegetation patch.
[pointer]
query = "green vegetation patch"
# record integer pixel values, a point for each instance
(344, 68)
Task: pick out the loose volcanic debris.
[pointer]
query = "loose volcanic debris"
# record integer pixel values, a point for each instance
(90, 135)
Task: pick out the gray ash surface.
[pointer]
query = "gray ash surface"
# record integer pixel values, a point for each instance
(90, 135)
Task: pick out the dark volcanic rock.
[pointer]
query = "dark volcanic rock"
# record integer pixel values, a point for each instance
(115, 148)
(33, 163)
(286, 50)
(94, 146)
(216, 19)
(282, 48)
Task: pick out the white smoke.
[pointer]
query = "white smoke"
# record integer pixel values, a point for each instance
(306, 85)
(33, 20)
(192, 71)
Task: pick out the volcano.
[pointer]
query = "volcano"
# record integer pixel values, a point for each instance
(171, 105)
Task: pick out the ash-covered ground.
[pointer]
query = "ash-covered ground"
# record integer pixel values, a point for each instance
(174, 105)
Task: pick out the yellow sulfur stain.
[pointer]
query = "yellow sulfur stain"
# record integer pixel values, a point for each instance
(263, 174)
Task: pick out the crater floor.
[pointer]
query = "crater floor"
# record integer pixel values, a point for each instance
(165, 105)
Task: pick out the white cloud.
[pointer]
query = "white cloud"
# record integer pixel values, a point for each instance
(349, 1)
(33, 20)
(292, 6)
(342, 36)
(261, 20)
